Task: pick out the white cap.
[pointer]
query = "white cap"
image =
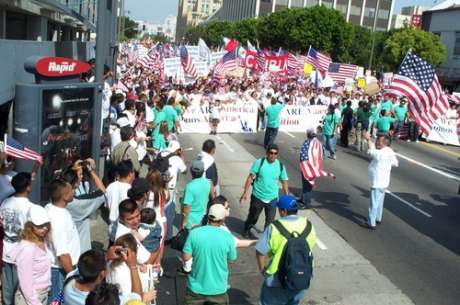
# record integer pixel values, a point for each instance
(123, 121)
(217, 212)
(173, 146)
(38, 215)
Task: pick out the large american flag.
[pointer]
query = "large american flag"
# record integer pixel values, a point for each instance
(15, 149)
(294, 65)
(227, 63)
(187, 64)
(339, 72)
(417, 80)
(318, 60)
(311, 160)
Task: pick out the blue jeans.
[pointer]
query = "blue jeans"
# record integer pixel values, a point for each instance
(270, 136)
(376, 205)
(280, 296)
(9, 283)
(57, 282)
(329, 143)
(306, 192)
(170, 213)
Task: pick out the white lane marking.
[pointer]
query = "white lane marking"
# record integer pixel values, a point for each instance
(409, 204)
(320, 244)
(429, 167)
(188, 149)
(289, 134)
(225, 144)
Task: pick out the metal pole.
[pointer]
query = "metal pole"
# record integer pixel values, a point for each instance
(101, 41)
(373, 34)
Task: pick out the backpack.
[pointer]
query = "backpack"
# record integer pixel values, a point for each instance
(260, 166)
(295, 268)
(161, 163)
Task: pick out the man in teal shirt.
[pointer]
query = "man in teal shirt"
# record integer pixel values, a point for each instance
(383, 124)
(264, 176)
(330, 122)
(211, 248)
(273, 113)
(171, 115)
(386, 104)
(196, 196)
(400, 112)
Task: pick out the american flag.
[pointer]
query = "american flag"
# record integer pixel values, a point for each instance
(311, 161)
(339, 72)
(58, 299)
(417, 80)
(318, 60)
(454, 97)
(187, 64)
(295, 66)
(260, 58)
(227, 63)
(15, 149)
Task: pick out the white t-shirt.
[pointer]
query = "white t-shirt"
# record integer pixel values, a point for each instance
(176, 166)
(64, 235)
(142, 254)
(131, 118)
(14, 212)
(380, 167)
(116, 192)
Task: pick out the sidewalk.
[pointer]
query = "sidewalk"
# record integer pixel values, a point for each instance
(341, 275)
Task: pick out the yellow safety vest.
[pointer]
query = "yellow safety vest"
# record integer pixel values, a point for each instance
(277, 240)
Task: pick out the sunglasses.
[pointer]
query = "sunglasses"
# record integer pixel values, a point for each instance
(272, 152)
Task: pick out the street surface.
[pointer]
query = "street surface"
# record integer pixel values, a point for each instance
(412, 257)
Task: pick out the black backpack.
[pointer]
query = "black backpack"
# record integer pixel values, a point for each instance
(161, 163)
(260, 166)
(295, 268)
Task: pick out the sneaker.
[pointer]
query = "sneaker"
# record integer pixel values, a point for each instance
(249, 235)
(367, 226)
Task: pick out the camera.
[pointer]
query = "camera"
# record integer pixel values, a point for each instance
(120, 251)
(84, 164)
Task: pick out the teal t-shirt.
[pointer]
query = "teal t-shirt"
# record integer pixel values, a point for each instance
(273, 115)
(159, 117)
(265, 186)
(178, 109)
(330, 122)
(386, 105)
(159, 142)
(375, 111)
(196, 195)
(211, 248)
(342, 106)
(384, 123)
(400, 112)
(171, 116)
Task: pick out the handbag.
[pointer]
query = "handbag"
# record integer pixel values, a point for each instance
(178, 241)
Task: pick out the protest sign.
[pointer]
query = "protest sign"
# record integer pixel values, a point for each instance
(444, 131)
(301, 118)
(239, 117)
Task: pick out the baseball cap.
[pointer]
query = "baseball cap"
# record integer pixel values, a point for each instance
(287, 202)
(38, 215)
(197, 166)
(217, 212)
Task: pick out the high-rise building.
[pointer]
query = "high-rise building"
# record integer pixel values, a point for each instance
(194, 12)
(410, 16)
(361, 12)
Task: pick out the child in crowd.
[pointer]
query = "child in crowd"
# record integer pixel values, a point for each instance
(214, 115)
(150, 229)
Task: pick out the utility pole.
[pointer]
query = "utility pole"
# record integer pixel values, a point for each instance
(101, 41)
(373, 34)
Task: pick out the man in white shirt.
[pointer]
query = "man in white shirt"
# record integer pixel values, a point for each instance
(117, 191)
(65, 241)
(128, 223)
(383, 159)
(14, 212)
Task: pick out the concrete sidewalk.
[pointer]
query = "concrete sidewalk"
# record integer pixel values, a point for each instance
(341, 274)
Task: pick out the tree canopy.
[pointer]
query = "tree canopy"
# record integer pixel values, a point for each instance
(327, 31)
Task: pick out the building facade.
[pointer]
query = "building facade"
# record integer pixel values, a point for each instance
(361, 12)
(194, 12)
(167, 28)
(443, 20)
(409, 16)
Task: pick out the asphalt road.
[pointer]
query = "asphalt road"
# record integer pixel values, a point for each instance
(417, 246)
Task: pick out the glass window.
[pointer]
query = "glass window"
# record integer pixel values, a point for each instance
(342, 6)
(296, 3)
(312, 2)
(328, 3)
(281, 5)
(457, 44)
(356, 7)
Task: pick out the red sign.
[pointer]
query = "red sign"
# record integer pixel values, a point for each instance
(275, 63)
(60, 66)
(250, 60)
(416, 21)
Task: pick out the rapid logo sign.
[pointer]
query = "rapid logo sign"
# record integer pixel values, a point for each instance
(60, 67)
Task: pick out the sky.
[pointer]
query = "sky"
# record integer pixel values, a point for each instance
(157, 10)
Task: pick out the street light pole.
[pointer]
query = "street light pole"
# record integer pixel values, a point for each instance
(101, 40)
(373, 34)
